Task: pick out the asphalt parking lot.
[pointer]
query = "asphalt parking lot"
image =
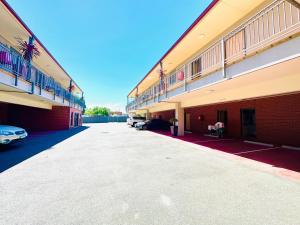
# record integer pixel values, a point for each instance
(109, 174)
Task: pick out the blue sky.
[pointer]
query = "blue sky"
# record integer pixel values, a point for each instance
(108, 46)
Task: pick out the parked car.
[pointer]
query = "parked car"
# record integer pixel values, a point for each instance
(9, 134)
(134, 120)
(154, 124)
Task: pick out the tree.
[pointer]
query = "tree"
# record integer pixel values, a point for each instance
(97, 111)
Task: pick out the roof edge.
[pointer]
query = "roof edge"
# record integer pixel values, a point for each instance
(13, 12)
(207, 9)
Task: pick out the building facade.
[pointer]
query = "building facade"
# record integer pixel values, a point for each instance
(238, 63)
(35, 92)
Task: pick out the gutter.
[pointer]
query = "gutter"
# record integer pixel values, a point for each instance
(210, 6)
(13, 12)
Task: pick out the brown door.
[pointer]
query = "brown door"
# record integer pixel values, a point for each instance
(187, 122)
(248, 123)
(222, 117)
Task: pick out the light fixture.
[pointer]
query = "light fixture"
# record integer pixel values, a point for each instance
(201, 36)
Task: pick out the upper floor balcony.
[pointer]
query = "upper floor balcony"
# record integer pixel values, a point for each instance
(20, 74)
(274, 24)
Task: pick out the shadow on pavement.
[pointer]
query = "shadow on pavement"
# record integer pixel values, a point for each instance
(35, 143)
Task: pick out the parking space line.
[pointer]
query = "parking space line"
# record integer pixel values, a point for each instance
(212, 140)
(257, 150)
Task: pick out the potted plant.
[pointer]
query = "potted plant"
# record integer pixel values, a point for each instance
(174, 127)
(28, 49)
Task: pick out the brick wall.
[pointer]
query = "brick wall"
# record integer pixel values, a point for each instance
(3, 113)
(277, 118)
(32, 118)
(164, 115)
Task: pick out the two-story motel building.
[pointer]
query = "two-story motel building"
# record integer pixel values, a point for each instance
(39, 95)
(238, 63)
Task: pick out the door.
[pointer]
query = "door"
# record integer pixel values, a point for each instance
(187, 122)
(76, 120)
(222, 117)
(248, 123)
(72, 119)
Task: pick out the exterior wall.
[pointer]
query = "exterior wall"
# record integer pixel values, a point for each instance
(73, 111)
(37, 119)
(3, 113)
(277, 118)
(164, 115)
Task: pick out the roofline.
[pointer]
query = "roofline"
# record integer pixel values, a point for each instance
(13, 12)
(209, 7)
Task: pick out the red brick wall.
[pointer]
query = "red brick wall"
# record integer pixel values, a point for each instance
(40, 119)
(277, 118)
(164, 115)
(3, 113)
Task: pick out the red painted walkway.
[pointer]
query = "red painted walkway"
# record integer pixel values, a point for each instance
(275, 156)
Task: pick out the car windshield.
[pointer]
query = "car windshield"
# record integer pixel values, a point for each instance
(139, 118)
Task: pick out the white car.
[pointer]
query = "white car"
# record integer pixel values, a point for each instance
(134, 120)
(9, 134)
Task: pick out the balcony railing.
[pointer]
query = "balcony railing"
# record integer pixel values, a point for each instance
(14, 63)
(273, 24)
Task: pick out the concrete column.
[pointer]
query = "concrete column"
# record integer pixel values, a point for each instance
(179, 114)
(147, 114)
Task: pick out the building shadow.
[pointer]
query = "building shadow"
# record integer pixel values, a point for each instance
(36, 142)
(275, 156)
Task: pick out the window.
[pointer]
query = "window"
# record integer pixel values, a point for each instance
(172, 79)
(196, 67)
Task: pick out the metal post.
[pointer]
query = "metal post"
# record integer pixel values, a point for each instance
(32, 87)
(70, 86)
(245, 41)
(30, 42)
(41, 83)
(17, 72)
(223, 57)
(185, 76)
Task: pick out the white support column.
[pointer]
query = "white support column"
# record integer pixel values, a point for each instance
(223, 57)
(185, 76)
(147, 114)
(179, 114)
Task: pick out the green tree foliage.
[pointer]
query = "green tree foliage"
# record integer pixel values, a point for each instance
(97, 111)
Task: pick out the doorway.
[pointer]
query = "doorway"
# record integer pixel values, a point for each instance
(76, 120)
(248, 123)
(222, 117)
(187, 122)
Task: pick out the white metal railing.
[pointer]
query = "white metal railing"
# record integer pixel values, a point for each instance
(12, 62)
(276, 22)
